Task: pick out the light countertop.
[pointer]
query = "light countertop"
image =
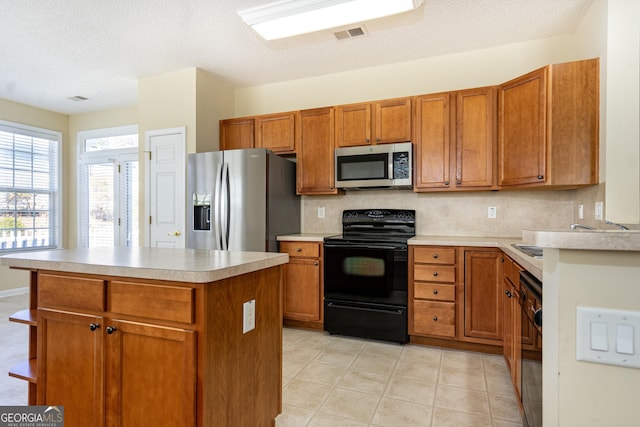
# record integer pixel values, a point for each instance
(180, 265)
(603, 240)
(306, 237)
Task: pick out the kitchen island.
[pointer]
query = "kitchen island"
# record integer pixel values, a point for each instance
(150, 336)
(598, 269)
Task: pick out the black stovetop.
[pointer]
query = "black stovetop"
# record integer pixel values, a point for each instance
(377, 225)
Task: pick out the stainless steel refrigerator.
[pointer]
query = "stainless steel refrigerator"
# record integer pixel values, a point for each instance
(240, 200)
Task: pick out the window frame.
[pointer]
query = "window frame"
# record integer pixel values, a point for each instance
(57, 193)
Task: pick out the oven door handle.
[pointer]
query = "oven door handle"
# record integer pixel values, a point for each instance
(361, 246)
(355, 307)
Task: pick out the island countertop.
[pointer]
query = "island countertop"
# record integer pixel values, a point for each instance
(181, 265)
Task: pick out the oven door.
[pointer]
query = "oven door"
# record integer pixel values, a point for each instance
(363, 269)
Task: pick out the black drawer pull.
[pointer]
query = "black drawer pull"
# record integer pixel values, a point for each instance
(435, 292)
(435, 318)
(435, 273)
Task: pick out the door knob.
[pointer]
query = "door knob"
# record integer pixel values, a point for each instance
(175, 233)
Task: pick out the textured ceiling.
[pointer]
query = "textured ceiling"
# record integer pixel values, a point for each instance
(55, 49)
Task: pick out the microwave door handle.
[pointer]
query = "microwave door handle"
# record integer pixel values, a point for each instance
(390, 164)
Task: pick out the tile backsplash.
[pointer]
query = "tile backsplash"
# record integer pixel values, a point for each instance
(453, 213)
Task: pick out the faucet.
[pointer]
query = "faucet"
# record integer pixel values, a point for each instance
(620, 226)
(586, 227)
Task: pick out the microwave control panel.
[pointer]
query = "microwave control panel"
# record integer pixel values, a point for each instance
(401, 165)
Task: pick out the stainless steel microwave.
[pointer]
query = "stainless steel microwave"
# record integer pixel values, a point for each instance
(374, 166)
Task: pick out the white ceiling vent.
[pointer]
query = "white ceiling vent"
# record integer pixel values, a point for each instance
(351, 33)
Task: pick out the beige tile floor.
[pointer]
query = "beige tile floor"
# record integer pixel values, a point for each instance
(342, 382)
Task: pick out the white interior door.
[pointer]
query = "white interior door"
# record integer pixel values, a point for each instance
(166, 176)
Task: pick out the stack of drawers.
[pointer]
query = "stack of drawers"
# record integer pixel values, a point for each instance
(434, 291)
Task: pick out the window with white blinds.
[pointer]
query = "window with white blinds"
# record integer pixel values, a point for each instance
(29, 188)
(108, 188)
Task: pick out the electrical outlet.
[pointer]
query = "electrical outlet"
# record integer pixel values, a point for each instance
(248, 316)
(491, 212)
(580, 211)
(598, 211)
(321, 212)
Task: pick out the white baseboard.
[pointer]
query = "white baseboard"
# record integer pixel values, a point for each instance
(14, 292)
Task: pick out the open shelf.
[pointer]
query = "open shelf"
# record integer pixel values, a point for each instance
(27, 317)
(25, 370)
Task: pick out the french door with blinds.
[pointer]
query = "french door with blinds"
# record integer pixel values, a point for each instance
(108, 190)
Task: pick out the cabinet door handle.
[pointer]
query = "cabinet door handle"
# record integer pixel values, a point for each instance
(298, 249)
(508, 293)
(111, 329)
(174, 233)
(435, 273)
(435, 256)
(94, 326)
(446, 183)
(316, 263)
(540, 177)
(435, 292)
(435, 318)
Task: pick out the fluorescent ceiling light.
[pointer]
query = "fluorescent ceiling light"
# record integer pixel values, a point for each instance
(292, 17)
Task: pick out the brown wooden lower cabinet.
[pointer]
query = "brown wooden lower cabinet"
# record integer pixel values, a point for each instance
(302, 285)
(71, 366)
(455, 297)
(483, 294)
(512, 332)
(133, 352)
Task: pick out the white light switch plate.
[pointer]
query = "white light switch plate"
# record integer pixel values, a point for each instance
(598, 211)
(491, 212)
(608, 336)
(248, 316)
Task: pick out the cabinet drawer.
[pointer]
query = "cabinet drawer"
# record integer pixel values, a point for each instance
(170, 303)
(73, 292)
(434, 273)
(434, 255)
(435, 291)
(301, 249)
(434, 318)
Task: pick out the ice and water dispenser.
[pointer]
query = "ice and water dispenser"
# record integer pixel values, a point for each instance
(201, 211)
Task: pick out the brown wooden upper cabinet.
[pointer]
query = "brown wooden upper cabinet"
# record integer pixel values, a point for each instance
(315, 140)
(237, 133)
(455, 140)
(275, 132)
(379, 122)
(548, 127)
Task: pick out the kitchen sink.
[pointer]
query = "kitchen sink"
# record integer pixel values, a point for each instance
(532, 251)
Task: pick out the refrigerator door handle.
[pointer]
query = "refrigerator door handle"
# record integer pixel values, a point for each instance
(217, 235)
(225, 206)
